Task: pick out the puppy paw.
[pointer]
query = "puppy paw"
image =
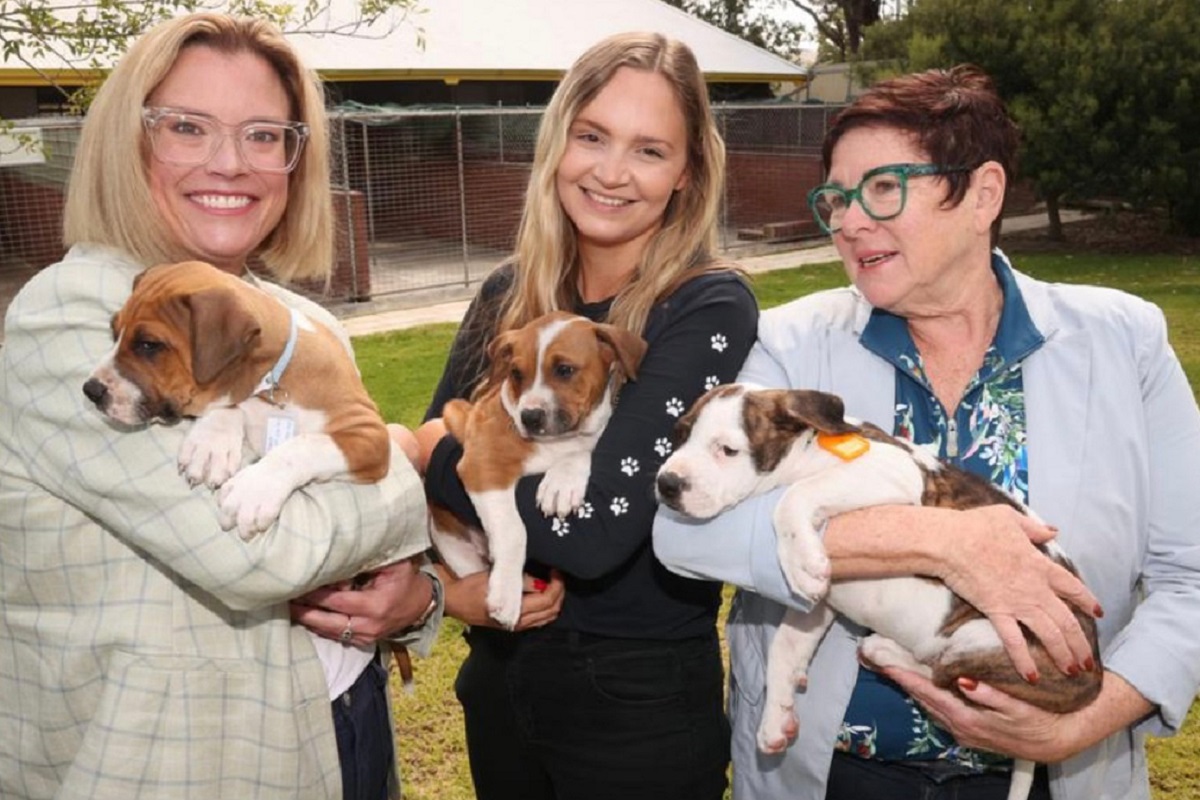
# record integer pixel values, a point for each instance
(808, 574)
(879, 652)
(504, 599)
(251, 500)
(777, 730)
(212, 449)
(563, 486)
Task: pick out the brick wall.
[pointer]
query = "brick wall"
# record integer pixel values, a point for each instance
(30, 221)
(422, 200)
(768, 188)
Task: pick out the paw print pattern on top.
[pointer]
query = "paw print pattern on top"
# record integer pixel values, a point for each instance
(630, 466)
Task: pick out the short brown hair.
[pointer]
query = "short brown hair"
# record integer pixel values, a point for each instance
(955, 115)
(109, 203)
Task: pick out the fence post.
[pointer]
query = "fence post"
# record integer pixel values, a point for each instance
(462, 196)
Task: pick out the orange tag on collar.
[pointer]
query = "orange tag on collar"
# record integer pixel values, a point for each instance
(846, 446)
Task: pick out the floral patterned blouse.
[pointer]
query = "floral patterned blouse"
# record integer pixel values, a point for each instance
(985, 435)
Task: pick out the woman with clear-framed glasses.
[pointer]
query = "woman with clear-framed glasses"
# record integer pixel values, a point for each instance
(1068, 397)
(147, 653)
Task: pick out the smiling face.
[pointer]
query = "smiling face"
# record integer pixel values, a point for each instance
(922, 261)
(626, 155)
(220, 211)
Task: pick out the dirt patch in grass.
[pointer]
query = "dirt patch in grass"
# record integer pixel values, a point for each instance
(1121, 232)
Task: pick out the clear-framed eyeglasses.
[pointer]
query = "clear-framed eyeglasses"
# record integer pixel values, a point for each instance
(882, 193)
(189, 139)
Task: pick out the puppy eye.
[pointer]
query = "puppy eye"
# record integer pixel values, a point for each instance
(728, 451)
(564, 371)
(515, 375)
(147, 348)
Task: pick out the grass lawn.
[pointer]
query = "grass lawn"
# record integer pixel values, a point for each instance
(401, 369)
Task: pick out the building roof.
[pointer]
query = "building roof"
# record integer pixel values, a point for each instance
(455, 40)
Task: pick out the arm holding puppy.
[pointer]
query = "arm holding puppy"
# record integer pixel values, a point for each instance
(988, 542)
(398, 602)
(1151, 672)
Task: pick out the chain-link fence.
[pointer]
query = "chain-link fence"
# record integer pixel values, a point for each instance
(431, 198)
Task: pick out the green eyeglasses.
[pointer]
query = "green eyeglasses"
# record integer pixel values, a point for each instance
(882, 193)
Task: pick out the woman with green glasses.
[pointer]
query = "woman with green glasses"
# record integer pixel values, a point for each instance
(1068, 397)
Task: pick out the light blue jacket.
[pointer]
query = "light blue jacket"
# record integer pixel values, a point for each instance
(1114, 462)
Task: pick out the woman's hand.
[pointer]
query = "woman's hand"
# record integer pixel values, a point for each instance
(466, 599)
(993, 720)
(394, 597)
(992, 566)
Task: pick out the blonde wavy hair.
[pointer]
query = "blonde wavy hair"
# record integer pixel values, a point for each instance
(110, 203)
(546, 257)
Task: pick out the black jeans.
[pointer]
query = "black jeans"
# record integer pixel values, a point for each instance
(364, 736)
(854, 778)
(557, 715)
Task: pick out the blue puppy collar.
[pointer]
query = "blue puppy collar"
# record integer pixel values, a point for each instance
(270, 381)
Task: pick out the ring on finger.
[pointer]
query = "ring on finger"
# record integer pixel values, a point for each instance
(347, 632)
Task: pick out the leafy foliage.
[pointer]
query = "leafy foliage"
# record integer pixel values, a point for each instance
(1105, 90)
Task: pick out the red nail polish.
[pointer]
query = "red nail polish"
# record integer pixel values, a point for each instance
(539, 585)
(1089, 664)
(1073, 670)
(968, 684)
(1032, 678)
(1097, 612)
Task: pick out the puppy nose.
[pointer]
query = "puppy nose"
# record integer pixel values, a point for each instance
(534, 419)
(670, 486)
(96, 391)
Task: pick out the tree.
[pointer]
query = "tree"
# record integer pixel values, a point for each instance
(841, 24)
(748, 20)
(1104, 90)
(85, 35)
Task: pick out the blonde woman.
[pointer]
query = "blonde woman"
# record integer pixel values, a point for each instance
(146, 653)
(620, 694)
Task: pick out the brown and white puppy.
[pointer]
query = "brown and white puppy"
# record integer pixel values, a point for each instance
(193, 341)
(549, 393)
(739, 441)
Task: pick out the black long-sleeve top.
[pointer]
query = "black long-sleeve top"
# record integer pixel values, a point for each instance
(697, 338)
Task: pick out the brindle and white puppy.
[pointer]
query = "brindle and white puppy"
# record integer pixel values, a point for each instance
(739, 441)
(547, 398)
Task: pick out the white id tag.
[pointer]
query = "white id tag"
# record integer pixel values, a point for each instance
(280, 428)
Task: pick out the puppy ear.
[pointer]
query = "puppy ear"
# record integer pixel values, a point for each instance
(223, 330)
(499, 353)
(820, 411)
(454, 415)
(626, 347)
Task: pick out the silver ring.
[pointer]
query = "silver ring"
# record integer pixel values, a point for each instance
(347, 632)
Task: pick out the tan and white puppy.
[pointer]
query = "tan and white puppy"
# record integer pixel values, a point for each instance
(548, 395)
(194, 341)
(738, 441)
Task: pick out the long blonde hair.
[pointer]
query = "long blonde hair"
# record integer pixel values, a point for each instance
(109, 200)
(546, 255)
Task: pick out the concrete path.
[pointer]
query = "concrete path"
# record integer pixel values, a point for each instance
(452, 311)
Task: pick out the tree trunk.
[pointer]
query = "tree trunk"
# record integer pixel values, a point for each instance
(1055, 229)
